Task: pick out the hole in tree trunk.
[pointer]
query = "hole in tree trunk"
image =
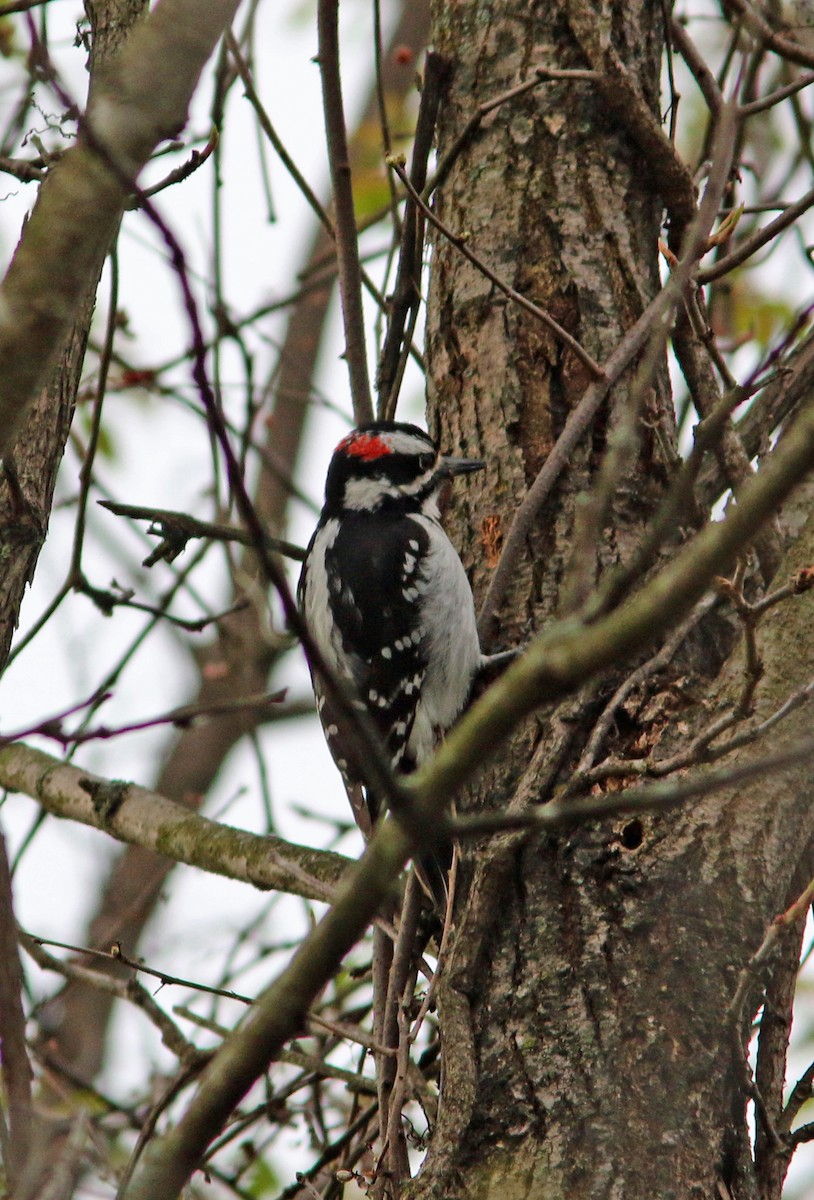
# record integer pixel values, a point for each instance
(632, 835)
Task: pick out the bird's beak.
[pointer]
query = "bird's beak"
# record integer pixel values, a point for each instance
(460, 466)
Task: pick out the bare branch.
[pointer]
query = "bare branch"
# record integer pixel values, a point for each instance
(762, 237)
(347, 248)
(176, 529)
(655, 797)
(516, 297)
(407, 291)
(623, 98)
(117, 955)
(783, 46)
(653, 322)
(279, 1014)
(143, 98)
(125, 989)
(697, 64)
(561, 659)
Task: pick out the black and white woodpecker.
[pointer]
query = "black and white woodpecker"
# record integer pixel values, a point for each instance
(387, 601)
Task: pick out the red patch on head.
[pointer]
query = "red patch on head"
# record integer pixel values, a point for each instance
(365, 446)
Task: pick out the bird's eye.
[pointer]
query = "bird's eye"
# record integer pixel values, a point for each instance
(426, 461)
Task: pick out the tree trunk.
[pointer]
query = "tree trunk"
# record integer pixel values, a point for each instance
(586, 1049)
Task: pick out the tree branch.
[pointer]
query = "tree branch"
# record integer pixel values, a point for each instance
(568, 653)
(176, 528)
(134, 814)
(278, 1015)
(460, 243)
(347, 247)
(140, 99)
(654, 797)
(654, 320)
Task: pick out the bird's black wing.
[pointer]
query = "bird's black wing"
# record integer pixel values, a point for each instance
(374, 600)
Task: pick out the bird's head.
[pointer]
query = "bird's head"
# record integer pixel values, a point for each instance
(390, 465)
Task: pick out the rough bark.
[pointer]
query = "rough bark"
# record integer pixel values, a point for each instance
(586, 1052)
(551, 196)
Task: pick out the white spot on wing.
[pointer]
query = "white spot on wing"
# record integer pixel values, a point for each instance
(448, 608)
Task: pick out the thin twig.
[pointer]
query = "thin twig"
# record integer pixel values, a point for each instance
(331, 1152)
(347, 246)
(621, 96)
(701, 748)
(618, 581)
(732, 589)
(429, 997)
(771, 1066)
(307, 191)
(388, 996)
(86, 470)
(540, 75)
(779, 927)
(460, 243)
(800, 1094)
(147, 1129)
(653, 665)
(752, 244)
(694, 345)
(195, 161)
(784, 47)
(773, 98)
(125, 989)
(619, 460)
(582, 416)
(381, 105)
(305, 188)
(697, 64)
(655, 797)
(181, 717)
(177, 528)
(407, 290)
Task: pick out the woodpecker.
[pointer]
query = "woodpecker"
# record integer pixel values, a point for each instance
(387, 601)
